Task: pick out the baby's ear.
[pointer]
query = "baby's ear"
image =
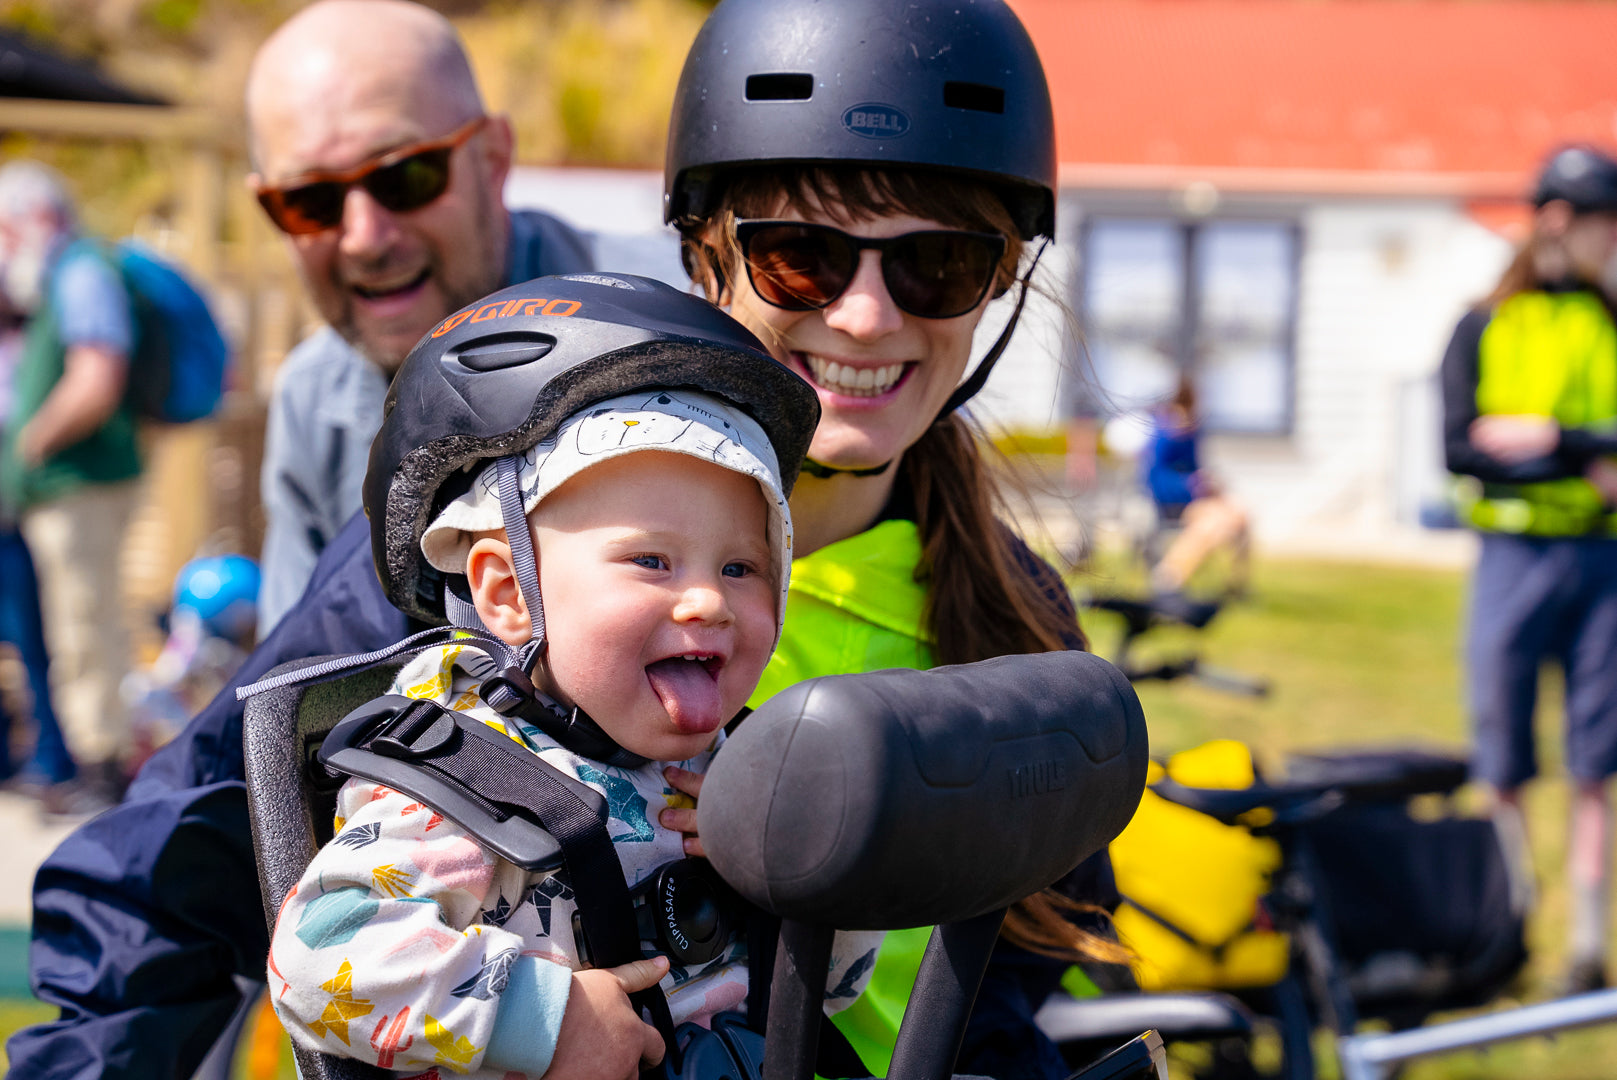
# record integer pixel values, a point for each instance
(493, 582)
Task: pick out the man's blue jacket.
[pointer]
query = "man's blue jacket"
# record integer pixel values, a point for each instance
(144, 914)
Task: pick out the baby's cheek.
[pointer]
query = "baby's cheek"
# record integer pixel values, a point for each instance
(599, 680)
(747, 666)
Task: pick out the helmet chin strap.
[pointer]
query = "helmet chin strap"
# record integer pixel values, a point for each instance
(965, 391)
(825, 472)
(512, 692)
(523, 563)
(968, 389)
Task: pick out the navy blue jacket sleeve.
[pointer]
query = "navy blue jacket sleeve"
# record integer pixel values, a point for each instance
(144, 914)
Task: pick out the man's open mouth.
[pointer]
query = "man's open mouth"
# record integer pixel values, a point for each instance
(384, 289)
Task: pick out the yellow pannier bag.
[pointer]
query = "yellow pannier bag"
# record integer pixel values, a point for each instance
(1191, 885)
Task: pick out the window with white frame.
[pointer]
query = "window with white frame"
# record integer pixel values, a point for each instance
(1215, 298)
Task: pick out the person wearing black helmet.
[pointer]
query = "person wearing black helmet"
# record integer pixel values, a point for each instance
(855, 183)
(626, 541)
(1530, 427)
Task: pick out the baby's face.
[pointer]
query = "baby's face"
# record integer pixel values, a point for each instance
(658, 596)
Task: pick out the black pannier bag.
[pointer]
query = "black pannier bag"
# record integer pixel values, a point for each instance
(1426, 914)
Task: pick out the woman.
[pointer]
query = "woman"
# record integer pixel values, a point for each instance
(1529, 408)
(855, 185)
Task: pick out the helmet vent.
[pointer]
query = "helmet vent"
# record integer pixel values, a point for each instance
(502, 352)
(782, 86)
(973, 96)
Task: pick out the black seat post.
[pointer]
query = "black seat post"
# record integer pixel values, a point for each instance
(796, 1000)
(935, 1018)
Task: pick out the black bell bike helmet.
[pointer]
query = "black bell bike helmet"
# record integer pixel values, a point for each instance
(952, 86)
(1580, 175)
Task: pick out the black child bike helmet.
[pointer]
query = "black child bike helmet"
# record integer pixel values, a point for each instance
(952, 86)
(499, 376)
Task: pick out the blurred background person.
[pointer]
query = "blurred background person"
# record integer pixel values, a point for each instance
(209, 631)
(375, 157)
(1530, 424)
(1188, 497)
(21, 625)
(70, 465)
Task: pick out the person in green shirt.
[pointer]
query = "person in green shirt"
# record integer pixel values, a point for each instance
(856, 186)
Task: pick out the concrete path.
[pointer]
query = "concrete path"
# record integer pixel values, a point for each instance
(26, 838)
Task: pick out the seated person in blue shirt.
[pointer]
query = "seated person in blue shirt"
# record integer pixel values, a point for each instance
(1187, 495)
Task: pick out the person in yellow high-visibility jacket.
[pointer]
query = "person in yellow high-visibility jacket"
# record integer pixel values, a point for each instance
(1530, 429)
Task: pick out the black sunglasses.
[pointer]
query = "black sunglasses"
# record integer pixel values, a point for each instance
(401, 180)
(932, 274)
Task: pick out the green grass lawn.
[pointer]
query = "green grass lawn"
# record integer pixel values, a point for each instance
(1357, 655)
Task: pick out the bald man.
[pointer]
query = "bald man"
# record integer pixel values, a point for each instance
(375, 157)
(147, 919)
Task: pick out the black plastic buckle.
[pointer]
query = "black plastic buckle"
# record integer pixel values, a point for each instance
(683, 909)
(687, 910)
(729, 1050)
(418, 730)
(508, 692)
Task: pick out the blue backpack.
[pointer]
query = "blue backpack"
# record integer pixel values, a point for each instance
(177, 373)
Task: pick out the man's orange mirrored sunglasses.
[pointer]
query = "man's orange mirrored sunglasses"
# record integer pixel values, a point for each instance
(401, 180)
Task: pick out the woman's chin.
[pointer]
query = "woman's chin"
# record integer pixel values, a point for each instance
(863, 437)
(858, 454)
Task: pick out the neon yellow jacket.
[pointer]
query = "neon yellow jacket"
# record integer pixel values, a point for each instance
(855, 606)
(1551, 354)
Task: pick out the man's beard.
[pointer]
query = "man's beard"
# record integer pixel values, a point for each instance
(23, 276)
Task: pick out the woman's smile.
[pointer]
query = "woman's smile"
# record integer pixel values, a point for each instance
(843, 377)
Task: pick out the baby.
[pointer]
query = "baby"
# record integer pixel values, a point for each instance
(663, 544)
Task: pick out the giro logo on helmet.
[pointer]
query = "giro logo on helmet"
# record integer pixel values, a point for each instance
(505, 309)
(873, 120)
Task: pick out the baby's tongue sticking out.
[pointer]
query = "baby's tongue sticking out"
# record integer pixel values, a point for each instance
(688, 692)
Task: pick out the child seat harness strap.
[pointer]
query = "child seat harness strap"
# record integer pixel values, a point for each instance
(510, 693)
(525, 810)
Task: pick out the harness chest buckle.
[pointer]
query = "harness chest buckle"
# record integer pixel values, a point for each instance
(418, 730)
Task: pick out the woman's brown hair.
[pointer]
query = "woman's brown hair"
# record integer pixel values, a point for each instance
(1519, 276)
(983, 599)
(1526, 270)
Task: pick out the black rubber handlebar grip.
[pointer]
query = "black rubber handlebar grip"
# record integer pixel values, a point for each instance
(910, 798)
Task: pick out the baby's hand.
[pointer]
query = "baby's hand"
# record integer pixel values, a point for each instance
(602, 1036)
(683, 820)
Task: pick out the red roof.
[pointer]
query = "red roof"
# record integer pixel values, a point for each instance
(1463, 96)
